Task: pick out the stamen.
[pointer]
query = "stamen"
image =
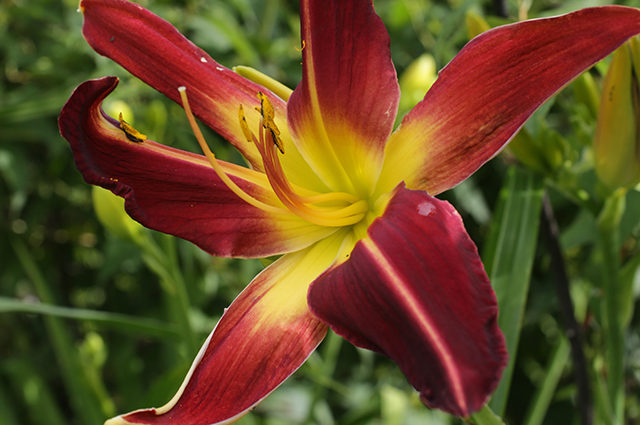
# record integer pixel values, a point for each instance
(325, 216)
(312, 197)
(216, 167)
(267, 142)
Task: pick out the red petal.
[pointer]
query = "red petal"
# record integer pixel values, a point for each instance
(415, 290)
(154, 51)
(264, 336)
(177, 192)
(491, 88)
(342, 113)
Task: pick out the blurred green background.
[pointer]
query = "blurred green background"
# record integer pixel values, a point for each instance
(111, 343)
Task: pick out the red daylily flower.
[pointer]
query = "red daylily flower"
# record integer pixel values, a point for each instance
(368, 250)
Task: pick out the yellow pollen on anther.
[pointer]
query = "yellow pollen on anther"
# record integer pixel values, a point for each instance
(244, 125)
(131, 133)
(268, 117)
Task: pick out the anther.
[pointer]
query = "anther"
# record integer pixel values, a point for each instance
(268, 115)
(131, 133)
(244, 125)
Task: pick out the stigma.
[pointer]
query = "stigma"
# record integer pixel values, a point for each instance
(333, 209)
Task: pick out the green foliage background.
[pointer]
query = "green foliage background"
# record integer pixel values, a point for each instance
(115, 345)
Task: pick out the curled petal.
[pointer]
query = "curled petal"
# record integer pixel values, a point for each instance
(487, 92)
(343, 111)
(177, 192)
(154, 51)
(415, 290)
(264, 336)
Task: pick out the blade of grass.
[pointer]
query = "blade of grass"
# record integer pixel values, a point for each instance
(508, 258)
(544, 394)
(119, 322)
(182, 304)
(608, 230)
(84, 402)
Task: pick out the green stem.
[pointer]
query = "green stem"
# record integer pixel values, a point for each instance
(485, 416)
(603, 404)
(608, 229)
(164, 262)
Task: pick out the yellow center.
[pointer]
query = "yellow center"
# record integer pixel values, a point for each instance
(334, 209)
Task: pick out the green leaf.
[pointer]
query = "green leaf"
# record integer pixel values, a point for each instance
(629, 273)
(508, 258)
(119, 322)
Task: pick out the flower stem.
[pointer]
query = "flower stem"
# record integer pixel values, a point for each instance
(164, 263)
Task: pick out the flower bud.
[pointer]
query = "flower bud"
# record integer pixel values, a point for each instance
(476, 24)
(116, 107)
(616, 144)
(111, 214)
(587, 93)
(415, 81)
(528, 152)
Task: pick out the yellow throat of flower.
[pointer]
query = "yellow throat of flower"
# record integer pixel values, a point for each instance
(344, 209)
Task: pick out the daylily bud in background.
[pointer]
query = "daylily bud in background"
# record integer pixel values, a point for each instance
(616, 144)
(544, 154)
(415, 81)
(587, 93)
(111, 214)
(476, 24)
(117, 107)
(528, 152)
